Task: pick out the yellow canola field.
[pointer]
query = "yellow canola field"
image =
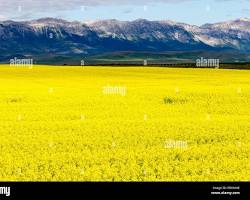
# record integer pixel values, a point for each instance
(124, 124)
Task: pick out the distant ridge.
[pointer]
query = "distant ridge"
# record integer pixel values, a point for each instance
(58, 37)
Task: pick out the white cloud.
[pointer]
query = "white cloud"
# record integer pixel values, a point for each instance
(45, 5)
(62, 5)
(2, 17)
(15, 9)
(23, 9)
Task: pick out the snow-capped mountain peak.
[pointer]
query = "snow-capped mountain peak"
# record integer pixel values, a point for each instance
(114, 35)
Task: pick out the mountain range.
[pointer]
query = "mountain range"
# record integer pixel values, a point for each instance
(48, 38)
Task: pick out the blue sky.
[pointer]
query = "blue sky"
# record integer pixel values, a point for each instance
(189, 11)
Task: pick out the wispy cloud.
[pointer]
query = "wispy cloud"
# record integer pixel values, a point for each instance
(127, 11)
(20, 9)
(72, 9)
(46, 5)
(64, 5)
(246, 11)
